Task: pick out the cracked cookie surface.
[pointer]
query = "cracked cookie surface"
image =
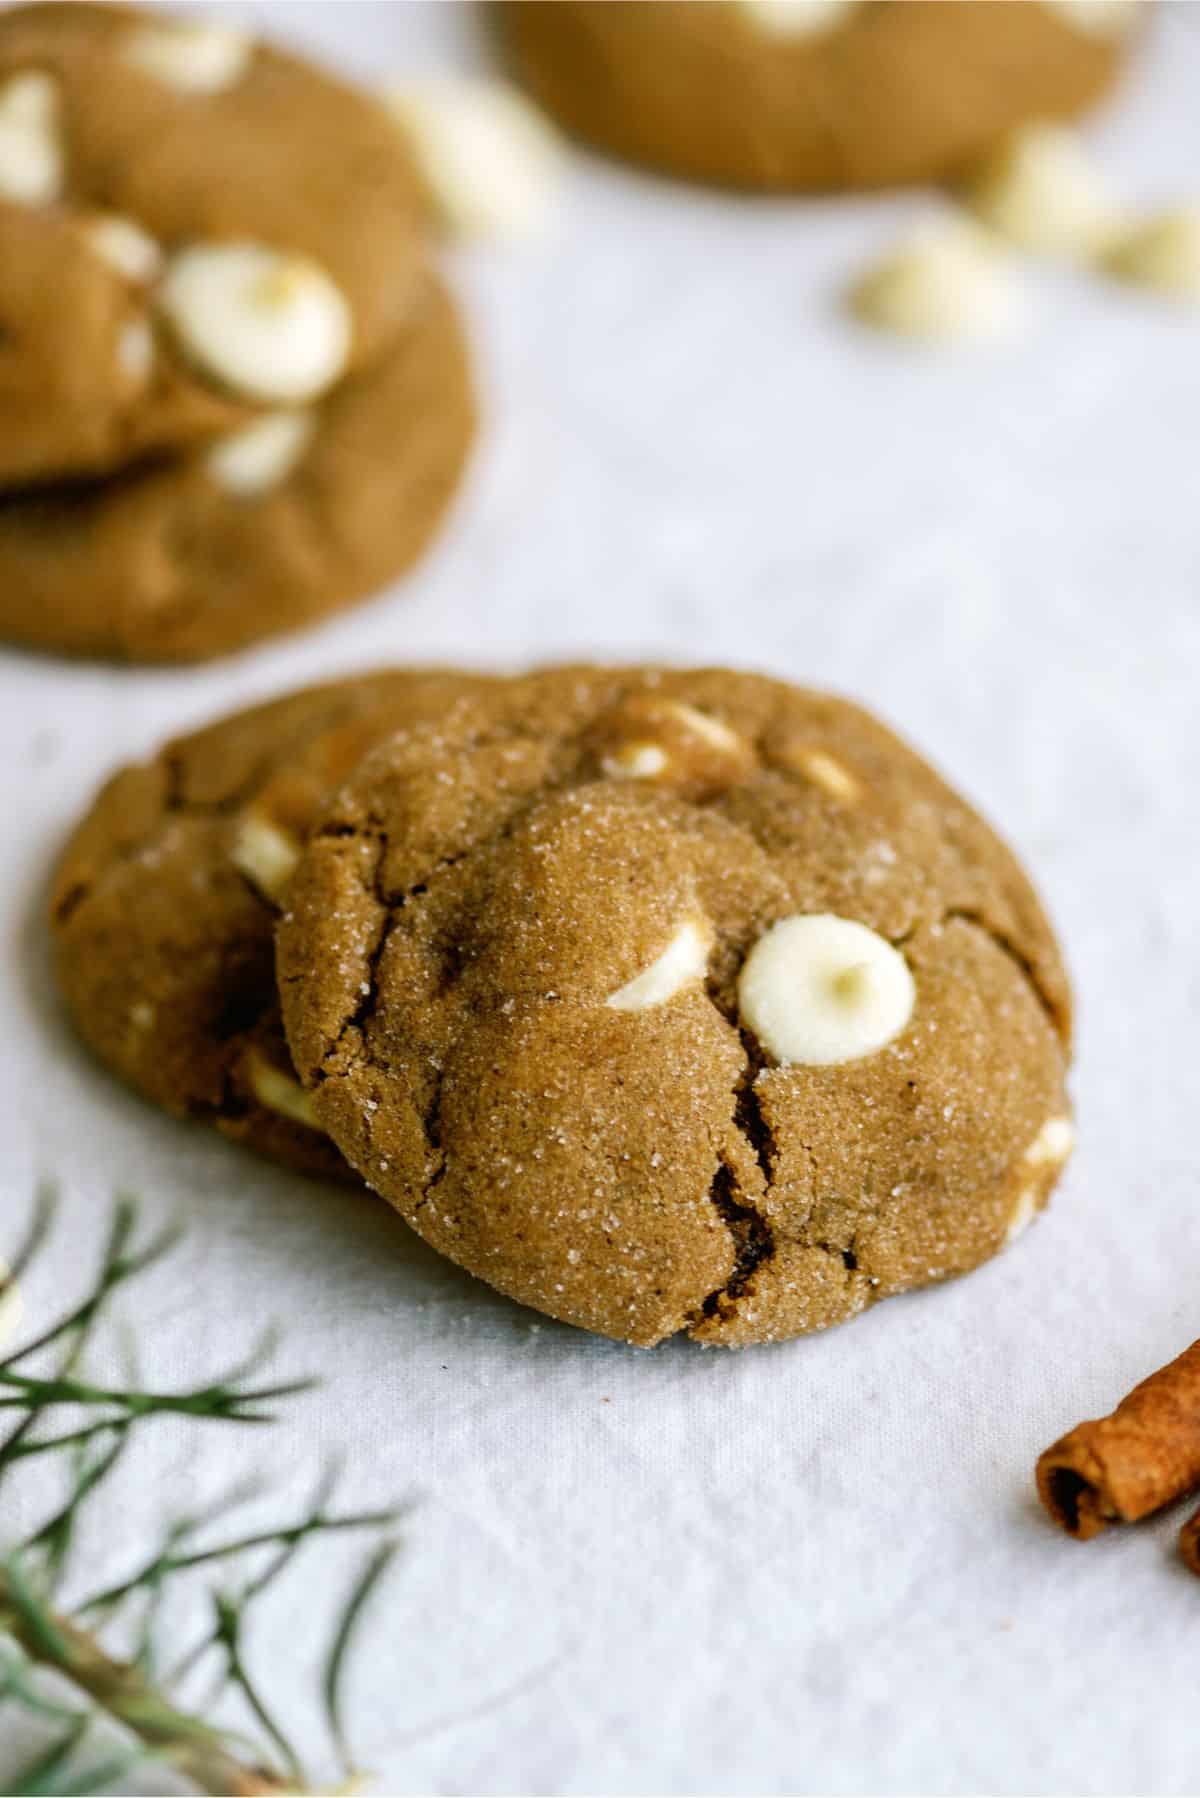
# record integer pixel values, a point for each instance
(509, 971)
(206, 554)
(133, 136)
(164, 902)
(786, 96)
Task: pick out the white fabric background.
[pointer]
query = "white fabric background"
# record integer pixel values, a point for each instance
(817, 1567)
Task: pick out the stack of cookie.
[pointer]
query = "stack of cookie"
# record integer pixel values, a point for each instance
(233, 394)
(663, 1001)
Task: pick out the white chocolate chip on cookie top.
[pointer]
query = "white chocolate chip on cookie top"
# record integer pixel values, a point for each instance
(272, 326)
(797, 18)
(1098, 18)
(261, 455)
(817, 990)
(31, 150)
(264, 853)
(122, 243)
(682, 963)
(279, 1092)
(202, 58)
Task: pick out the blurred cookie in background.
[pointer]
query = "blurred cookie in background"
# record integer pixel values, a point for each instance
(813, 95)
(263, 530)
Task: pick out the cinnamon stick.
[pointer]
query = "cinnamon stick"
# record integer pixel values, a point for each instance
(1116, 1469)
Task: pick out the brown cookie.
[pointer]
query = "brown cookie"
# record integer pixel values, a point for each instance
(164, 903)
(296, 517)
(800, 95)
(170, 194)
(678, 1001)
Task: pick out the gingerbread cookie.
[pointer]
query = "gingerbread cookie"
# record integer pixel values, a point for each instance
(164, 903)
(265, 530)
(677, 1002)
(193, 226)
(800, 95)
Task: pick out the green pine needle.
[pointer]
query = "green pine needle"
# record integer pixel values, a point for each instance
(36, 1634)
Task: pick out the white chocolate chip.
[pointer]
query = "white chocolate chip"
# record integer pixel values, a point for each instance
(195, 58)
(265, 854)
(798, 18)
(31, 152)
(817, 990)
(268, 325)
(636, 761)
(11, 1306)
(1022, 1214)
(1161, 253)
(683, 961)
(1040, 191)
(825, 771)
(262, 454)
(1098, 18)
(135, 349)
(491, 162)
(122, 243)
(1053, 1143)
(279, 1092)
(710, 729)
(946, 281)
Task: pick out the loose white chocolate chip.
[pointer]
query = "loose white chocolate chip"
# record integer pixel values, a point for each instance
(135, 349)
(268, 325)
(636, 761)
(1022, 1214)
(1039, 190)
(1053, 1143)
(683, 961)
(31, 152)
(798, 18)
(827, 772)
(946, 281)
(196, 59)
(817, 990)
(122, 243)
(1099, 18)
(262, 454)
(279, 1092)
(491, 162)
(265, 854)
(1162, 253)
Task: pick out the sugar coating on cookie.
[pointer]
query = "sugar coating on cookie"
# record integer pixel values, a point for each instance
(722, 1048)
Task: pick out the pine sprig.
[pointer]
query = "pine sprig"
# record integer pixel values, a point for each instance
(39, 1632)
